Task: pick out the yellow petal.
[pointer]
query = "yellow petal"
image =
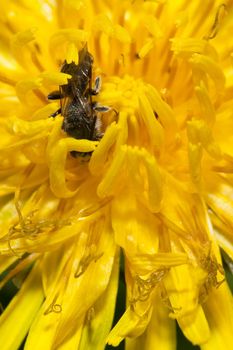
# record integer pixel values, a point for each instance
(67, 35)
(57, 78)
(183, 293)
(129, 219)
(110, 181)
(209, 66)
(154, 128)
(95, 277)
(6, 261)
(97, 327)
(145, 263)
(219, 312)
(23, 307)
(130, 325)
(100, 155)
(58, 160)
(160, 333)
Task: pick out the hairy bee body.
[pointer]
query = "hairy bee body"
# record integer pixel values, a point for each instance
(76, 105)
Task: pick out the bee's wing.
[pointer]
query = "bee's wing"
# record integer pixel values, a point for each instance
(80, 82)
(67, 91)
(70, 68)
(65, 100)
(82, 54)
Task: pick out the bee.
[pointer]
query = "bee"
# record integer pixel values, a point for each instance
(76, 105)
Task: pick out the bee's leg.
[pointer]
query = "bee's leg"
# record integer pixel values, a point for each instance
(97, 86)
(54, 95)
(98, 136)
(93, 128)
(102, 109)
(96, 133)
(98, 108)
(53, 115)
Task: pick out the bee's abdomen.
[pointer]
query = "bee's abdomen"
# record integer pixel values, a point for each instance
(77, 122)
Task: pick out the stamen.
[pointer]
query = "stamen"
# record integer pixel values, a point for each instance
(106, 187)
(53, 307)
(152, 125)
(35, 59)
(142, 288)
(103, 24)
(155, 183)
(23, 38)
(152, 184)
(220, 14)
(24, 87)
(208, 112)
(146, 48)
(186, 46)
(199, 132)
(19, 267)
(163, 110)
(94, 208)
(62, 36)
(153, 26)
(195, 154)
(57, 78)
(184, 235)
(72, 54)
(58, 156)
(85, 262)
(29, 228)
(144, 263)
(208, 66)
(209, 264)
(166, 301)
(99, 157)
(4, 79)
(90, 315)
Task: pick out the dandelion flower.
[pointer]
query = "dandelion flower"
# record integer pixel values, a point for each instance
(157, 186)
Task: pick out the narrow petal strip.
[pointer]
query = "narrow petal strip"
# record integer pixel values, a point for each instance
(160, 333)
(18, 316)
(98, 325)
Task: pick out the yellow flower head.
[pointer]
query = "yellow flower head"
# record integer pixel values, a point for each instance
(157, 186)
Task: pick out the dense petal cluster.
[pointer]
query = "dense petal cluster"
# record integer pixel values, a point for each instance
(158, 185)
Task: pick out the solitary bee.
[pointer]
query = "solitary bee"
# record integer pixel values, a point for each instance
(76, 105)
